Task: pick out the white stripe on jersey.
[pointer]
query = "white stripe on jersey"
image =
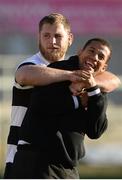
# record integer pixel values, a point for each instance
(17, 115)
(18, 86)
(11, 150)
(35, 59)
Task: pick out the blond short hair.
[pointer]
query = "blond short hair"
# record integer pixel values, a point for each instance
(55, 18)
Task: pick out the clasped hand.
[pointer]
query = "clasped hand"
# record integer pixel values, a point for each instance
(87, 81)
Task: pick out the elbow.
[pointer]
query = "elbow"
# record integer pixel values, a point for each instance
(94, 136)
(118, 83)
(97, 133)
(115, 84)
(20, 78)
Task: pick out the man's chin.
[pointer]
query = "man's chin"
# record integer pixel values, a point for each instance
(53, 58)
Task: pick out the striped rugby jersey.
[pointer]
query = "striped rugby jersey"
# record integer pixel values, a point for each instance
(20, 103)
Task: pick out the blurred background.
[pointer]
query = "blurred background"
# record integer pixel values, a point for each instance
(18, 40)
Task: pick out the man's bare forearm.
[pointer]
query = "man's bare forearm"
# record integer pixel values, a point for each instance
(36, 75)
(107, 81)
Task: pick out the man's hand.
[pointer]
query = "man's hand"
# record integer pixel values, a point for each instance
(77, 88)
(87, 81)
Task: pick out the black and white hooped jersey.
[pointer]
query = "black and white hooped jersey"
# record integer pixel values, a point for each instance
(20, 103)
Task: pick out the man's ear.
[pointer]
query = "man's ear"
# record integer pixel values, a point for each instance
(71, 38)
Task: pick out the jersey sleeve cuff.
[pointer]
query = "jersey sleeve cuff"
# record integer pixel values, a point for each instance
(93, 91)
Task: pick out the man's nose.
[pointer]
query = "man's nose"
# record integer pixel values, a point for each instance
(53, 40)
(95, 57)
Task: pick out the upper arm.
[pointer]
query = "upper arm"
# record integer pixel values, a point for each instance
(27, 74)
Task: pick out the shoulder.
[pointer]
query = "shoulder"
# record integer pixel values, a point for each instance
(70, 64)
(34, 59)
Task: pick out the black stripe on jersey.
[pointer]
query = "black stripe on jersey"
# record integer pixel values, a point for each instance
(13, 135)
(21, 97)
(26, 63)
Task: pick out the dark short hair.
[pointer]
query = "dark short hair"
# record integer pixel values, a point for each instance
(102, 41)
(55, 18)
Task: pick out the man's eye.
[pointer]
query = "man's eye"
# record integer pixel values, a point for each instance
(46, 35)
(101, 57)
(91, 51)
(58, 36)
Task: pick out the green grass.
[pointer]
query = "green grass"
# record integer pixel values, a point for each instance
(100, 172)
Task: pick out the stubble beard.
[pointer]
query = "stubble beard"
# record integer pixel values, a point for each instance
(54, 55)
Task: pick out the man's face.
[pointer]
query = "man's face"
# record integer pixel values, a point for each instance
(54, 41)
(94, 57)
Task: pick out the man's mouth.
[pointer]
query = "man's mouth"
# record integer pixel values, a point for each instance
(89, 64)
(53, 47)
